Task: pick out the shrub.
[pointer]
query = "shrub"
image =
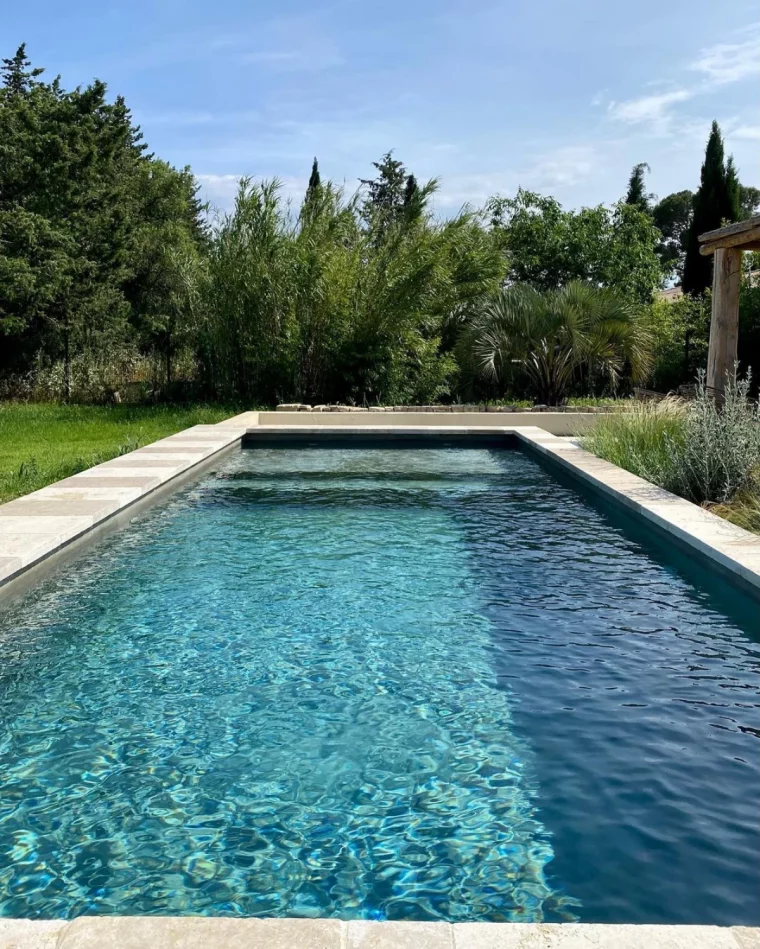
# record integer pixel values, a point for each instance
(702, 450)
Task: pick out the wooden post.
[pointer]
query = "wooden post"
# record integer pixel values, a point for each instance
(724, 326)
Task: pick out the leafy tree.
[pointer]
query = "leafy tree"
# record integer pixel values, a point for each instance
(672, 217)
(543, 340)
(76, 202)
(749, 201)
(549, 247)
(637, 194)
(715, 203)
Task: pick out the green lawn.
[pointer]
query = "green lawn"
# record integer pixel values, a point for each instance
(40, 444)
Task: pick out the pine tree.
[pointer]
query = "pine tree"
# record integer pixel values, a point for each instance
(637, 194)
(715, 203)
(385, 200)
(17, 76)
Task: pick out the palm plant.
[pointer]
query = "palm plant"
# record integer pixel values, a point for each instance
(548, 338)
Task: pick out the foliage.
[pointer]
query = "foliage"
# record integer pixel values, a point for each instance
(704, 451)
(334, 306)
(639, 439)
(672, 218)
(40, 444)
(715, 203)
(542, 340)
(749, 201)
(84, 213)
(637, 193)
(680, 332)
(548, 247)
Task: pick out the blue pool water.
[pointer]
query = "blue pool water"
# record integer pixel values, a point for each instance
(406, 684)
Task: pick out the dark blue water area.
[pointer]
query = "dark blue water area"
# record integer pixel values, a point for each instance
(634, 669)
(386, 684)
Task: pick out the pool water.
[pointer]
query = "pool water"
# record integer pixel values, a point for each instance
(402, 684)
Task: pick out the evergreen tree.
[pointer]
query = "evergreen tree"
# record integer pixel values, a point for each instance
(385, 200)
(17, 77)
(637, 194)
(313, 191)
(76, 199)
(715, 203)
(733, 190)
(410, 190)
(314, 179)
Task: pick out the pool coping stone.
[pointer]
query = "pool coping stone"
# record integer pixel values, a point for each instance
(37, 526)
(208, 932)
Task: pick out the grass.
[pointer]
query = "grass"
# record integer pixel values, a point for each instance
(709, 455)
(637, 440)
(42, 443)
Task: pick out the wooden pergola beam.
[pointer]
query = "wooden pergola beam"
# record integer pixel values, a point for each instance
(727, 243)
(745, 240)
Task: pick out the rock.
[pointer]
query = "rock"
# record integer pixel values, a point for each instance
(539, 408)
(319, 408)
(289, 407)
(304, 408)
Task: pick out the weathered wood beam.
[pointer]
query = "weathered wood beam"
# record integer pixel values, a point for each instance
(724, 326)
(746, 240)
(729, 229)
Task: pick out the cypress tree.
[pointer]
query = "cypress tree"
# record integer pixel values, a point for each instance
(636, 191)
(312, 193)
(314, 179)
(715, 203)
(733, 190)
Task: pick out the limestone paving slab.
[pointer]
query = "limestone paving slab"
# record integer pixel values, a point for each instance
(37, 525)
(368, 934)
(589, 936)
(200, 932)
(30, 933)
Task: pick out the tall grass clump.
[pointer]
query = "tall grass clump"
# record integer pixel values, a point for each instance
(338, 302)
(706, 451)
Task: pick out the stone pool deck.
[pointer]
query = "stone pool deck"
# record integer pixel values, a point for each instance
(157, 932)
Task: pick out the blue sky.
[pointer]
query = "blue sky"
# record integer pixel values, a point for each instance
(559, 96)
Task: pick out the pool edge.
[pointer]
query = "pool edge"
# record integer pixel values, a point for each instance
(42, 530)
(136, 932)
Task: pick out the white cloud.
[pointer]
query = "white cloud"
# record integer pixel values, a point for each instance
(653, 109)
(730, 62)
(720, 64)
(565, 166)
(749, 132)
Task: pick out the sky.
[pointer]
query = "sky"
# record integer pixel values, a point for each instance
(558, 96)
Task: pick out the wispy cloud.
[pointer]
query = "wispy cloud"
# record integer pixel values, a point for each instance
(747, 132)
(719, 65)
(730, 62)
(652, 109)
(567, 165)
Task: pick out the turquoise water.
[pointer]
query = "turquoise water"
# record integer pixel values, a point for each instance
(433, 684)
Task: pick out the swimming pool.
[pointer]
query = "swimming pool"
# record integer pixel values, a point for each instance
(382, 683)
